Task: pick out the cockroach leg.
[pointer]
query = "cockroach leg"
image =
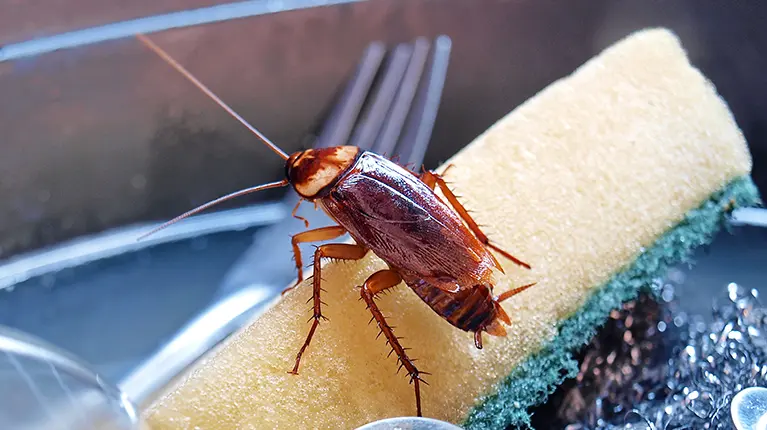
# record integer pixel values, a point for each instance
(375, 284)
(316, 235)
(429, 177)
(342, 251)
(478, 339)
(508, 294)
(295, 213)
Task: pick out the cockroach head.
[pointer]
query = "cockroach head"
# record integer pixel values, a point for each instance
(313, 172)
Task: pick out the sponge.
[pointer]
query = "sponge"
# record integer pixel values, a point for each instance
(600, 181)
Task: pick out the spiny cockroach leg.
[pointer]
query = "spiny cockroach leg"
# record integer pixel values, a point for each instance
(316, 235)
(428, 177)
(508, 294)
(433, 179)
(374, 285)
(295, 213)
(341, 251)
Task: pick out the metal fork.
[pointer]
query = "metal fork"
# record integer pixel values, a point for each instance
(397, 121)
(391, 115)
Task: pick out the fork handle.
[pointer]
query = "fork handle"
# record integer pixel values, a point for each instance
(270, 258)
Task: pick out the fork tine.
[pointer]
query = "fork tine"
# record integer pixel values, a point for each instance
(373, 119)
(335, 130)
(413, 145)
(404, 99)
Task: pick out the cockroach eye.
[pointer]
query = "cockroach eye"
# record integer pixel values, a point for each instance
(289, 163)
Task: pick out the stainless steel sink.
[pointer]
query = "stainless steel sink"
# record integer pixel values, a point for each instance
(104, 137)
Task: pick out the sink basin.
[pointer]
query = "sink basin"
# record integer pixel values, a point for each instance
(103, 138)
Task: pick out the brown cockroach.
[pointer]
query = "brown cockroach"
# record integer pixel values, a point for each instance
(439, 252)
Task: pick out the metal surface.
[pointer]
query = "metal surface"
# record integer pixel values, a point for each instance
(43, 387)
(178, 19)
(122, 241)
(191, 342)
(755, 217)
(109, 122)
(749, 409)
(409, 423)
(105, 136)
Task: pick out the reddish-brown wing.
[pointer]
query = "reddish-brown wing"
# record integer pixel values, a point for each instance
(391, 212)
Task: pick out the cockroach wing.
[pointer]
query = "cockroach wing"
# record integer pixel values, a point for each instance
(403, 221)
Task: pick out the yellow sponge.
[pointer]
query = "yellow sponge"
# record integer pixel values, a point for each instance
(579, 181)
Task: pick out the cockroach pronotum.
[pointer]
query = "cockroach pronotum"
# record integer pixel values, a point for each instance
(439, 252)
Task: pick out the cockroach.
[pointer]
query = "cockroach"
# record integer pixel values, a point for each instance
(439, 252)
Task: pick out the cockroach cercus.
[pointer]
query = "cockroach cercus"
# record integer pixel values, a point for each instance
(439, 252)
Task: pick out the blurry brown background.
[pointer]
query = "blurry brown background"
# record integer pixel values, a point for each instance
(107, 134)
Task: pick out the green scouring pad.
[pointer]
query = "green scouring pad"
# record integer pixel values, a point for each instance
(531, 382)
(600, 182)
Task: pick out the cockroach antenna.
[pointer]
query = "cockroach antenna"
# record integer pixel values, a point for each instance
(151, 45)
(381, 206)
(165, 56)
(212, 203)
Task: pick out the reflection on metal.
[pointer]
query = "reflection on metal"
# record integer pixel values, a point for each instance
(53, 389)
(427, 103)
(409, 423)
(191, 342)
(749, 216)
(749, 409)
(123, 240)
(151, 24)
